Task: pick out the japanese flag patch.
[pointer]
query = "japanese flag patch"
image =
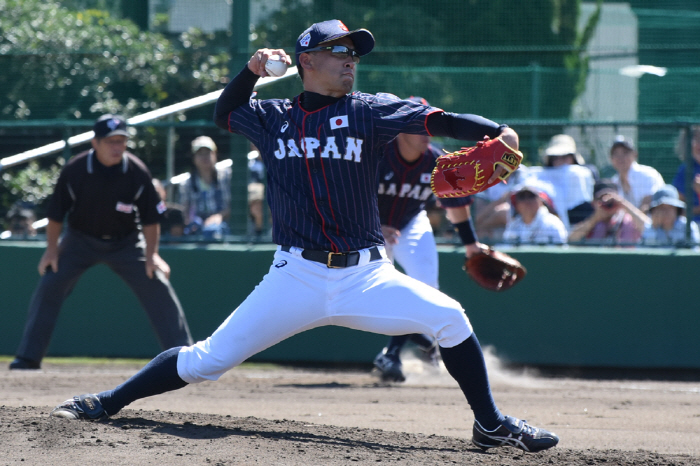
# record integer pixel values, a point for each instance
(339, 122)
(425, 177)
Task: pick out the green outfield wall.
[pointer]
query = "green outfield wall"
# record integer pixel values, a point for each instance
(577, 307)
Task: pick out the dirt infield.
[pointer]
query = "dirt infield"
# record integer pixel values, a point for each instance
(288, 416)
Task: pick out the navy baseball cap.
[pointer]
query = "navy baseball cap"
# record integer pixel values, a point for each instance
(333, 29)
(110, 125)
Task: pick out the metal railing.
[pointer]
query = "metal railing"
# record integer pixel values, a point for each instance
(82, 138)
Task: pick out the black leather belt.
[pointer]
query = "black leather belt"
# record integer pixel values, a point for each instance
(336, 260)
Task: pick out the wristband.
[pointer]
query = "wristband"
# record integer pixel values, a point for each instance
(466, 231)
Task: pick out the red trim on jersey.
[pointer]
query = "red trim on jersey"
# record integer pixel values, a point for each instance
(328, 191)
(426, 119)
(302, 144)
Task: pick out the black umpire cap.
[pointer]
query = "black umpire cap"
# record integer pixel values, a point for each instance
(110, 125)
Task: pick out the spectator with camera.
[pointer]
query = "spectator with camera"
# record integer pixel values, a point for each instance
(614, 220)
(636, 182)
(668, 222)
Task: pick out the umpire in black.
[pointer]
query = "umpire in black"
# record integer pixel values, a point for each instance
(113, 213)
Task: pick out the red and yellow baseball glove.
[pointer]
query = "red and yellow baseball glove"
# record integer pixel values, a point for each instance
(467, 171)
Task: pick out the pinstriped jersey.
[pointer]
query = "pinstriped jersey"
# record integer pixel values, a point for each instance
(322, 165)
(404, 188)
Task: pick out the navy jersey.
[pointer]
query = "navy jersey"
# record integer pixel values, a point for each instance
(404, 188)
(105, 202)
(322, 165)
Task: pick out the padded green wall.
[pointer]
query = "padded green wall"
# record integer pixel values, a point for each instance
(577, 307)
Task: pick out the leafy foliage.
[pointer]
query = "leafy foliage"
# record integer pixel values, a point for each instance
(31, 185)
(76, 65)
(59, 63)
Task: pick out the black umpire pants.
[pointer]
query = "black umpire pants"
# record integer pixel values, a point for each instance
(77, 253)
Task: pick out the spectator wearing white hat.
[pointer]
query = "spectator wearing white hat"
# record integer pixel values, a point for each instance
(668, 221)
(534, 221)
(573, 181)
(637, 182)
(206, 194)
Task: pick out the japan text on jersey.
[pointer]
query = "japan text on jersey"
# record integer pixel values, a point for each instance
(322, 165)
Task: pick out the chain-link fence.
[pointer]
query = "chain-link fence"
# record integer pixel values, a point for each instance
(591, 70)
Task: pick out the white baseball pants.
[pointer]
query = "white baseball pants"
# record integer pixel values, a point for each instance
(297, 295)
(416, 252)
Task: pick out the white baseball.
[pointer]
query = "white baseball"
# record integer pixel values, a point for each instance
(275, 66)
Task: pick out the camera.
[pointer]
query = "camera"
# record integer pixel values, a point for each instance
(608, 204)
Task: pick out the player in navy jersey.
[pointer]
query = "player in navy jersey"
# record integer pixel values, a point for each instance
(404, 189)
(321, 150)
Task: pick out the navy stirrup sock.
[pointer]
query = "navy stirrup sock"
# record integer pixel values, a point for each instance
(422, 340)
(465, 363)
(158, 376)
(395, 344)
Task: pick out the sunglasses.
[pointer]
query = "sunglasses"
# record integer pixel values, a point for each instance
(338, 51)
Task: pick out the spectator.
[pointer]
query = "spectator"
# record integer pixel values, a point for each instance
(256, 189)
(679, 179)
(534, 221)
(668, 222)
(636, 182)
(492, 208)
(206, 194)
(20, 222)
(615, 220)
(173, 221)
(572, 181)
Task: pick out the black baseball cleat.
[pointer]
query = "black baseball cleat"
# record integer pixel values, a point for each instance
(23, 364)
(86, 407)
(389, 366)
(515, 433)
(430, 355)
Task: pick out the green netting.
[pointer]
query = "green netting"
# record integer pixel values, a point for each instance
(542, 66)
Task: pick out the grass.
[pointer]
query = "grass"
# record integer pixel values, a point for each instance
(82, 360)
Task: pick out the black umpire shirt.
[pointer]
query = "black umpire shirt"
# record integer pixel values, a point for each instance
(105, 202)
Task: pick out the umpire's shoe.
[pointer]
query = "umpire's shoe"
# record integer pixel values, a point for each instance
(23, 364)
(86, 407)
(515, 433)
(389, 366)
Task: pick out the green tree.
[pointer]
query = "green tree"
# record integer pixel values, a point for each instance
(59, 63)
(56, 63)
